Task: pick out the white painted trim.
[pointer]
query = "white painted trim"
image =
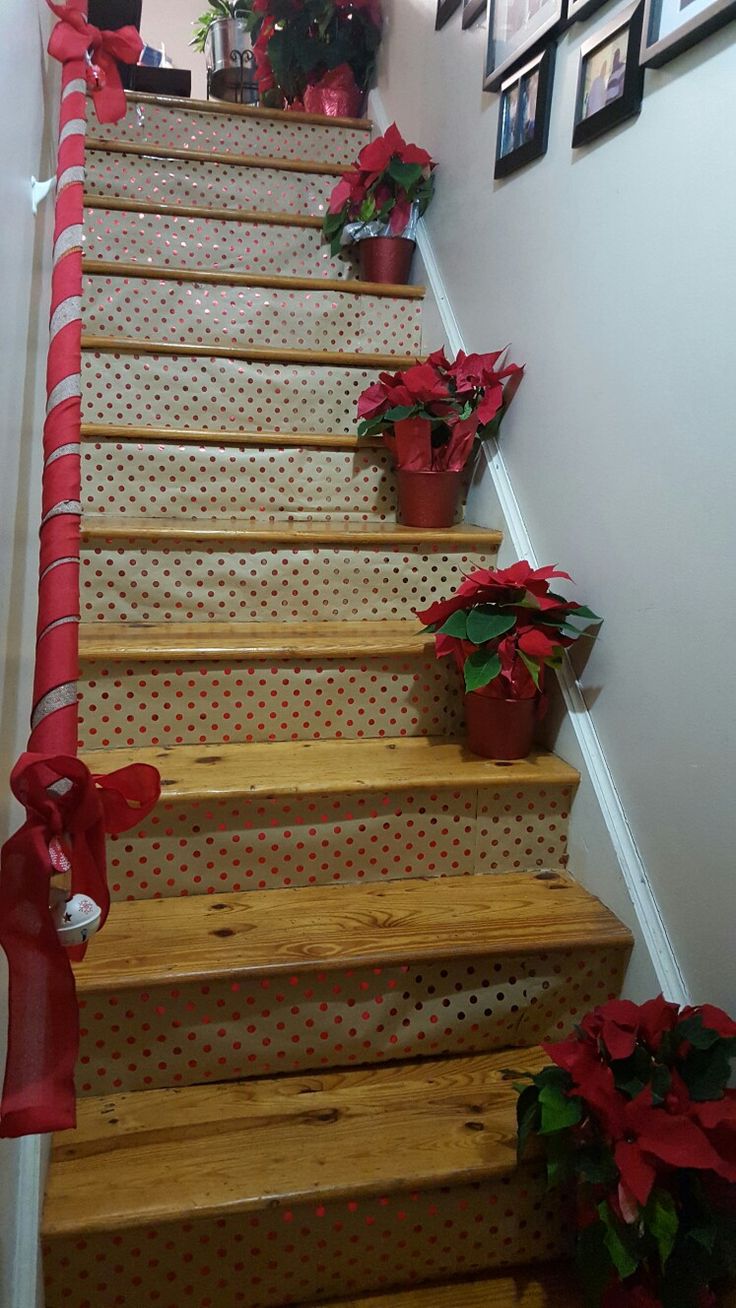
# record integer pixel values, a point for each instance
(633, 871)
(27, 1282)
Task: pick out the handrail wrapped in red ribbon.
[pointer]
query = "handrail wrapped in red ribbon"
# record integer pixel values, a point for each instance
(75, 38)
(67, 806)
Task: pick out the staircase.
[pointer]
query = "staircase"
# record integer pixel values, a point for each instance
(340, 937)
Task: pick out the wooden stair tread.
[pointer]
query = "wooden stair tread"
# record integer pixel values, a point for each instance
(327, 767)
(286, 531)
(551, 1286)
(218, 436)
(149, 942)
(251, 640)
(121, 204)
(286, 116)
(249, 353)
(256, 281)
(312, 167)
(161, 1155)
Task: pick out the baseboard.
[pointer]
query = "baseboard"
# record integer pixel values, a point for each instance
(653, 930)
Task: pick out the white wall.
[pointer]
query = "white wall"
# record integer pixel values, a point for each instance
(171, 21)
(29, 93)
(611, 269)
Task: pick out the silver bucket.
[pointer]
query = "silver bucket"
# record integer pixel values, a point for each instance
(231, 68)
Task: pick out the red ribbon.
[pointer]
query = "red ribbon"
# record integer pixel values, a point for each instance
(69, 807)
(73, 38)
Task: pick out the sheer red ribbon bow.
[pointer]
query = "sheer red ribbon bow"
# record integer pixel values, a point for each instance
(73, 37)
(68, 808)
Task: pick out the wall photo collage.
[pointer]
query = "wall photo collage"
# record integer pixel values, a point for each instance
(520, 57)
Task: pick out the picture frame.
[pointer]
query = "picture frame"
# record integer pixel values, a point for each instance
(445, 10)
(515, 28)
(663, 37)
(472, 10)
(579, 10)
(610, 77)
(524, 110)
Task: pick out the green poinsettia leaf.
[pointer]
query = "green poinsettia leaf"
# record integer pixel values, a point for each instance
(596, 1164)
(699, 1036)
(560, 1159)
(705, 1236)
(527, 1117)
(620, 1241)
(706, 1072)
(532, 667)
(480, 669)
(582, 611)
(399, 413)
(661, 1219)
(660, 1083)
(558, 1111)
(455, 625)
(593, 1262)
(406, 174)
(486, 623)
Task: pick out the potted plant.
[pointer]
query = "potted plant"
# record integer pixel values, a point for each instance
(317, 55)
(222, 33)
(635, 1115)
(504, 628)
(377, 205)
(430, 416)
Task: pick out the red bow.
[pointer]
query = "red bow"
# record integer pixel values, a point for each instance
(65, 804)
(73, 38)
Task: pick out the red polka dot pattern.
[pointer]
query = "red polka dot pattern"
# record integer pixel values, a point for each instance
(223, 1030)
(195, 129)
(196, 313)
(291, 1255)
(172, 240)
(210, 185)
(208, 847)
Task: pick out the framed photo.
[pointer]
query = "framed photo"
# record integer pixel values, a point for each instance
(610, 77)
(671, 26)
(472, 10)
(514, 28)
(523, 114)
(579, 10)
(445, 10)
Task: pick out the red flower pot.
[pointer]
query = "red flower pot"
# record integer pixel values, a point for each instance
(500, 728)
(336, 95)
(386, 259)
(428, 499)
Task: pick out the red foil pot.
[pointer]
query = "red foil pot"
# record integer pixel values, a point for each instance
(428, 499)
(386, 259)
(500, 728)
(336, 95)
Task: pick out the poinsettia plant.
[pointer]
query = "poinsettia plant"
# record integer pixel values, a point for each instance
(430, 414)
(504, 628)
(297, 42)
(389, 177)
(636, 1111)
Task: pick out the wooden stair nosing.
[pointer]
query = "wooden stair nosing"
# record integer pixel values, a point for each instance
(216, 641)
(310, 167)
(290, 532)
(549, 1286)
(256, 281)
(230, 1148)
(94, 431)
(192, 939)
(330, 767)
(121, 204)
(250, 353)
(286, 116)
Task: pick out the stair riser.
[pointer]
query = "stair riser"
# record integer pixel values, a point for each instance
(223, 394)
(195, 129)
(217, 846)
(225, 1030)
(212, 185)
(183, 581)
(196, 313)
(171, 704)
(310, 1252)
(211, 481)
(179, 242)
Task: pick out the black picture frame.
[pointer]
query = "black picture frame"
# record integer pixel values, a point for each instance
(472, 10)
(626, 103)
(528, 136)
(536, 20)
(445, 10)
(658, 49)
